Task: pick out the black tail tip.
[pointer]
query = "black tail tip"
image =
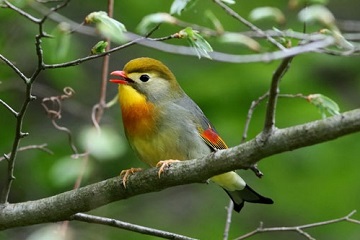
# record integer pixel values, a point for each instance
(263, 200)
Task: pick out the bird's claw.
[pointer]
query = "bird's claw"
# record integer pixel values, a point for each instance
(164, 164)
(125, 174)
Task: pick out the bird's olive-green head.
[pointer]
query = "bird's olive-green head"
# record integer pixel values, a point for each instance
(151, 78)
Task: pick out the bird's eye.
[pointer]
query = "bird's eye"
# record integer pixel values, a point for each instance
(144, 78)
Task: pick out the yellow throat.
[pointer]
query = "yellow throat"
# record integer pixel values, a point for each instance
(138, 114)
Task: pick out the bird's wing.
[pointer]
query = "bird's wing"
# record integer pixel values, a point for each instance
(204, 127)
(212, 138)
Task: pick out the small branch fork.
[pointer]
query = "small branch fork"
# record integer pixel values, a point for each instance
(300, 229)
(269, 125)
(19, 134)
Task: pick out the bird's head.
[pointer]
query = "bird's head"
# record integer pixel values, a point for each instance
(150, 78)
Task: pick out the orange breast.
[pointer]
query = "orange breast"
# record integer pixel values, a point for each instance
(138, 119)
(138, 114)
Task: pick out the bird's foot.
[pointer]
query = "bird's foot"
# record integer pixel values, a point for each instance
(164, 164)
(125, 174)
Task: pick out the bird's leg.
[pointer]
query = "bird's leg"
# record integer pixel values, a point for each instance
(125, 174)
(164, 164)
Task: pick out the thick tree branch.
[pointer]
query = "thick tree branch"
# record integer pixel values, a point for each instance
(63, 206)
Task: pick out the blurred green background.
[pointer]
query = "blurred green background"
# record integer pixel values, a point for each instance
(308, 185)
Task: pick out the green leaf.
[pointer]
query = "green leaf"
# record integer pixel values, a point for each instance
(151, 20)
(262, 13)
(324, 104)
(238, 38)
(200, 46)
(317, 13)
(107, 26)
(104, 145)
(178, 6)
(99, 47)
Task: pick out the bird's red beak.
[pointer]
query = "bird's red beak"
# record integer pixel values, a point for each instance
(124, 78)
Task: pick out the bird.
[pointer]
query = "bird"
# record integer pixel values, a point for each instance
(164, 125)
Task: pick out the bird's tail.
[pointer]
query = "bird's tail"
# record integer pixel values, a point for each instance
(239, 197)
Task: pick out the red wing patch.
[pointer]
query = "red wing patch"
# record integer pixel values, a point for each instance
(213, 139)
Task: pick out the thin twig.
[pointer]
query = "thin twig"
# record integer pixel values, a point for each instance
(16, 70)
(243, 58)
(298, 95)
(249, 24)
(229, 211)
(273, 95)
(300, 229)
(99, 110)
(41, 147)
(251, 110)
(19, 134)
(127, 226)
(28, 93)
(21, 12)
(91, 57)
(9, 108)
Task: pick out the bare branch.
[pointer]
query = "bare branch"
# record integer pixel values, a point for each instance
(127, 226)
(229, 212)
(101, 105)
(300, 229)
(91, 57)
(273, 95)
(41, 147)
(16, 70)
(253, 105)
(62, 206)
(21, 12)
(9, 108)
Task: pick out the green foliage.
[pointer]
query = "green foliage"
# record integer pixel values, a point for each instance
(107, 26)
(99, 47)
(300, 181)
(199, 45)
(324, 104)
(265, 13)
